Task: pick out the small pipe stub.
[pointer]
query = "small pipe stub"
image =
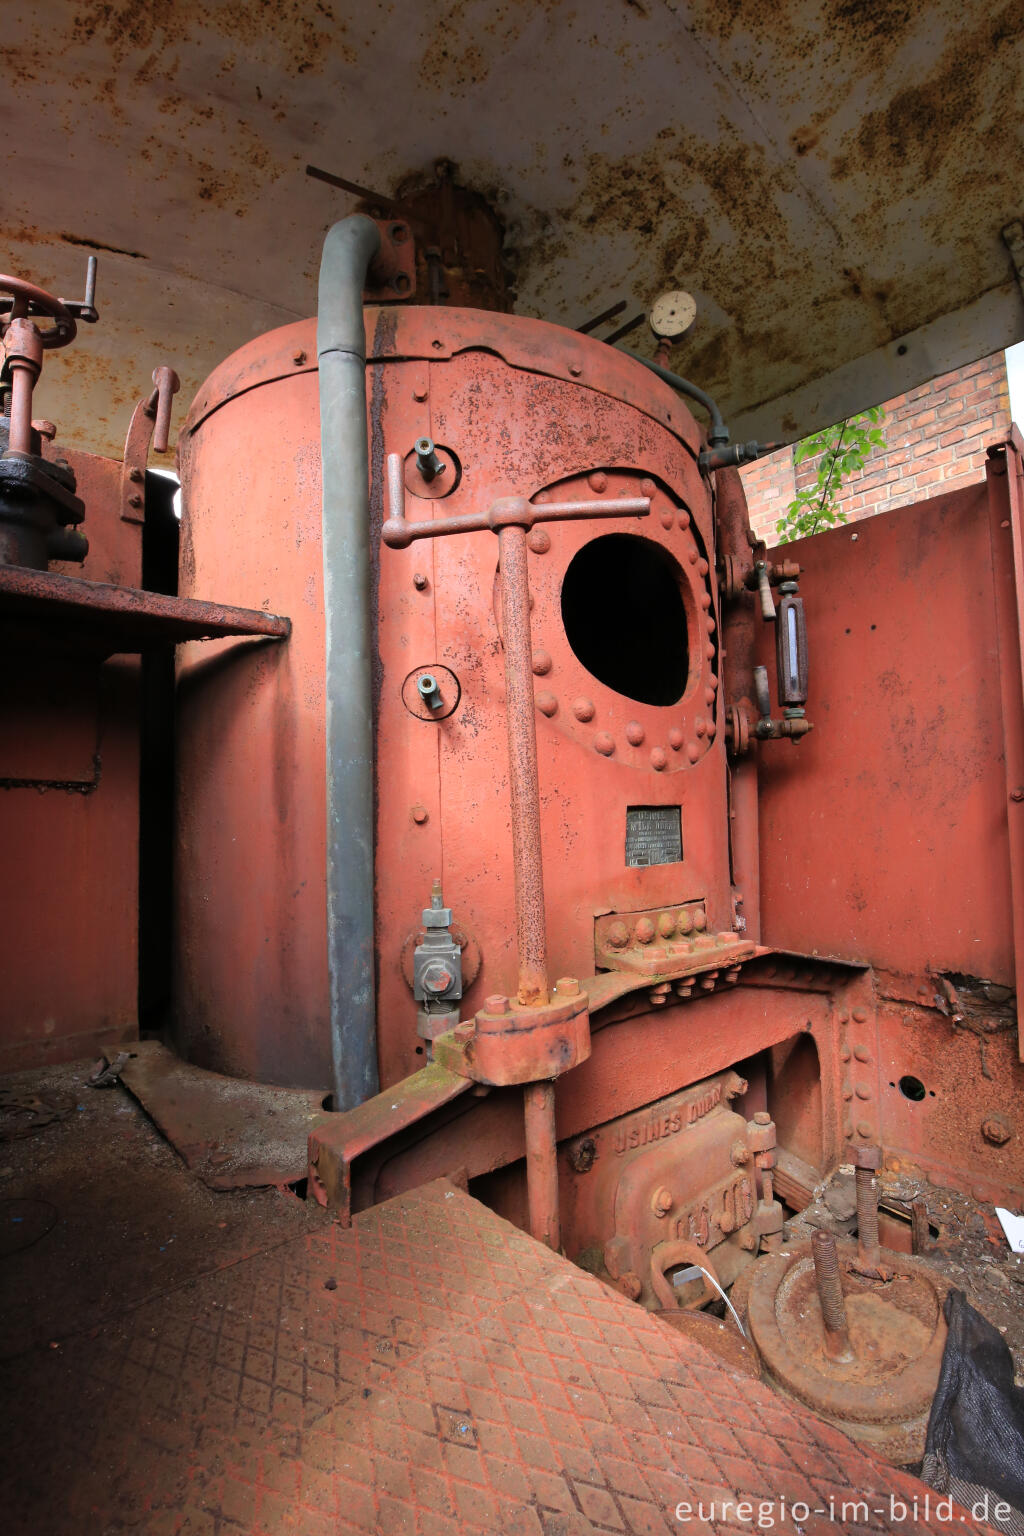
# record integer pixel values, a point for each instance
(427, 461)
(428, 690)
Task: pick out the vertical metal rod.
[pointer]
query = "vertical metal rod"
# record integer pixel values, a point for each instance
(541, 1163)
(869, 1252)
(830, 1295)
(531, 936)
(22, 380)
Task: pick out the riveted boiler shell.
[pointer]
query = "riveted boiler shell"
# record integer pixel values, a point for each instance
(626, 675)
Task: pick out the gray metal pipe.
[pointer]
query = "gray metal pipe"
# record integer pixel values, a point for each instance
(349, 249)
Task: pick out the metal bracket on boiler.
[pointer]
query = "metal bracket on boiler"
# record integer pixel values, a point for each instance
(664, 944)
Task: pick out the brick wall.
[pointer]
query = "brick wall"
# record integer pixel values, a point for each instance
(935, 440)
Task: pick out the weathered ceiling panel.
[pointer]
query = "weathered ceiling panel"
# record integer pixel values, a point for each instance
(829, 179)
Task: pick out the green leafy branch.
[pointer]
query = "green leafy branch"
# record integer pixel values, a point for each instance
(841, 451)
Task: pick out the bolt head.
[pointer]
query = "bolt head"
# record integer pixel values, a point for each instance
(644, 931)
(661, 1201)
(496, 1003)
(996, 1129)
(617, 935)
(437, 977)
(868, 1157)
(567, 987)
(419, 581)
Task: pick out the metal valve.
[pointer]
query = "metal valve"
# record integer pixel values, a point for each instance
(437, 971)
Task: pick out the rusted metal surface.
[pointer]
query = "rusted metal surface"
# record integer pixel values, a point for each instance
(863, 1353)
(69, 818)
(640, 1056)
(392, 274)
(677, 1171)
(453, 769)
(150, 422)
(900, 790)
(541, 1164)
(121, 620)
(524, 782)
(427, 335)
(867, 1161)
(938, 1080)
(829, 1286)
(337, 1143)
(231, 1134)
(681, 144)
(37, 506)
(668, 943)
(1006, 524)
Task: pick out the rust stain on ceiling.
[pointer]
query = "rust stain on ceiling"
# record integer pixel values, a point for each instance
(829, 179)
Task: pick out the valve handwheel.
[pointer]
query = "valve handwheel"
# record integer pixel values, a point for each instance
(20, 300)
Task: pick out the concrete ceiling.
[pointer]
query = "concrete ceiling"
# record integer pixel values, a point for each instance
(830, 178)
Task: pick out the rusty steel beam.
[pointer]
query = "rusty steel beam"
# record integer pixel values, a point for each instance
(124, 620)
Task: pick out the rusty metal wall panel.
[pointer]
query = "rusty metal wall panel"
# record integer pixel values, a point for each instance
(69, 903)
(884, 833)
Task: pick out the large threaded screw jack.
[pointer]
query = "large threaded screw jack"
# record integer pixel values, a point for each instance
(867, 1161)
(830, 1295)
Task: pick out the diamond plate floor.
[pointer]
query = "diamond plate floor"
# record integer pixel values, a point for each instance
(430, 1371)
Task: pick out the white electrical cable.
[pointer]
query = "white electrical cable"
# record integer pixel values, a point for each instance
(682, 1276)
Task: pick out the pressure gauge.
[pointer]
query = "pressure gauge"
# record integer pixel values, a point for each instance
(673, 313)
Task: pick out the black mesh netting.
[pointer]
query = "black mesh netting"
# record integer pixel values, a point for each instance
(975, 1441)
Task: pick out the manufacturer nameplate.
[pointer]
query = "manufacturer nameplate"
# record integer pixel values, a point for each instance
(654, 835)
